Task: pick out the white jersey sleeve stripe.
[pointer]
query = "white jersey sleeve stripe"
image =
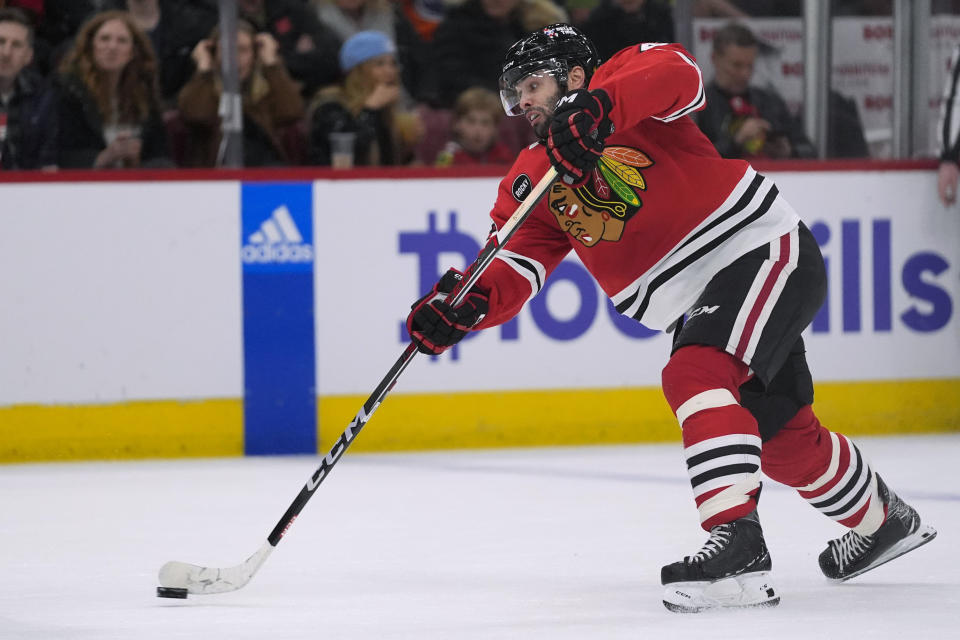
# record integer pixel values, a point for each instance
(531, 270)
(697, 101)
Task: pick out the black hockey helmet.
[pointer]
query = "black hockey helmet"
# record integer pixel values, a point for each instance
(555, 50)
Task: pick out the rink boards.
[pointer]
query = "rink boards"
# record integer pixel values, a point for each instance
(222, 317)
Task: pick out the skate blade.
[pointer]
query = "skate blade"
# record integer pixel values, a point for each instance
(737, 592)
(924, 534)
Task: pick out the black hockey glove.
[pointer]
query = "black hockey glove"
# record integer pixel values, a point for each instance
(435, 326)
(579, 126)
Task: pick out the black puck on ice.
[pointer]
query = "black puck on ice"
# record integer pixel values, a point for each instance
(171, 592)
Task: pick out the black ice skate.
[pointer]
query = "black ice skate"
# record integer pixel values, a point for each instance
(901, 531)
(731, 570)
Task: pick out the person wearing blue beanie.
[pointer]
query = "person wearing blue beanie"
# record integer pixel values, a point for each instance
(369, 103)
(363, 46)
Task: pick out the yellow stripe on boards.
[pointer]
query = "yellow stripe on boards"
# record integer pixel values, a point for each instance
(889, 407)
(207, 428)
(608, 416)
(147, 429)
(502, 419)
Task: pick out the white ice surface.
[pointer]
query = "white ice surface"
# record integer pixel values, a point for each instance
(544, 544)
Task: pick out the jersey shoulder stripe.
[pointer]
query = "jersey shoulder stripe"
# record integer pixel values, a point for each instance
(694, 104)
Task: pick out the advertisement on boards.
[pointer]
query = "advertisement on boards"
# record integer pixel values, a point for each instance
(890, 313)
(277, 252)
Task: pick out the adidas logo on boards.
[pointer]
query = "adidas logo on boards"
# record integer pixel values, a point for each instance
(277, 241)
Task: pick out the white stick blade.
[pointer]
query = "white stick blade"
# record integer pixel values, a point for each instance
(206, 580)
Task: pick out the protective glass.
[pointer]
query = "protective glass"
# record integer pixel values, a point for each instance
(511, 79)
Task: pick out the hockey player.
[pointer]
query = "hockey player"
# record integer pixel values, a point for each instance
(669, 228)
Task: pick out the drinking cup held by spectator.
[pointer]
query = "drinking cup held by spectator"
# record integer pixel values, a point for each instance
(369, 103)
(341, 149)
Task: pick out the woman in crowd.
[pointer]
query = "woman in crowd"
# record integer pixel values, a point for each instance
(109, 110)
(271, 101)
(368, 104)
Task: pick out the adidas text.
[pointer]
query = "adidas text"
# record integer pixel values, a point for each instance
(266, 253)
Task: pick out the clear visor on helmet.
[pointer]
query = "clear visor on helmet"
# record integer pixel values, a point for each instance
(515, 82)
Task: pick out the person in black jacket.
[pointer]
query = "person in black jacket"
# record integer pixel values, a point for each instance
(174, 28)
(615, 24)
(109, 111)
(28, 122)
(308, 47)
(744, 121)
(469, 45)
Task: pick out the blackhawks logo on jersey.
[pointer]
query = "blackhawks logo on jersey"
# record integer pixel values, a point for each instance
(600, 208)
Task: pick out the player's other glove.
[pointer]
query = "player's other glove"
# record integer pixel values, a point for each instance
(579, 126)
(435, 326)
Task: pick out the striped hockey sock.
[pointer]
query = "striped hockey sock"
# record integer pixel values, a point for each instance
(724, 470)
(721, 440)
(847, 490)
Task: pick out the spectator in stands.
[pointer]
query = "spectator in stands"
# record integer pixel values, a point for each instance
(62, 19)
(368, 104)
(845, 137)
(307, 46)
(33, 10)
(109, 110)
(615, 24)
(271, 101)
(349, 17)
(174, 28)
(744, 121)
(949, 134)
(469, 45)
(28, 124)
(579, 10)
(475, 131)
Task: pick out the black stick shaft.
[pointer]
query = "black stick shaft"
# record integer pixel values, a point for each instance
(490, 251)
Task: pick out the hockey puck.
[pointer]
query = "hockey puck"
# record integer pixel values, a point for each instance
(171, 592)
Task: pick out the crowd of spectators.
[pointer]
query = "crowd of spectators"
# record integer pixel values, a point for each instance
(136, 83)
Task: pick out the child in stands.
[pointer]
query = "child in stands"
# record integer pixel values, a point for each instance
(474, 131)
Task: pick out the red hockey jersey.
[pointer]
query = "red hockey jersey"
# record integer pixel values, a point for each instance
(661, 213)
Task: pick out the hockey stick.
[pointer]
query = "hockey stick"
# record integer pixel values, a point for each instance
(177, 579)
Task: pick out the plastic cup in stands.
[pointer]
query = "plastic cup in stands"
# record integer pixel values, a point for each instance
(341, 150)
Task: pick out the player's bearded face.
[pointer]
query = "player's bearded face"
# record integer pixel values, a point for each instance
(539, 93)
